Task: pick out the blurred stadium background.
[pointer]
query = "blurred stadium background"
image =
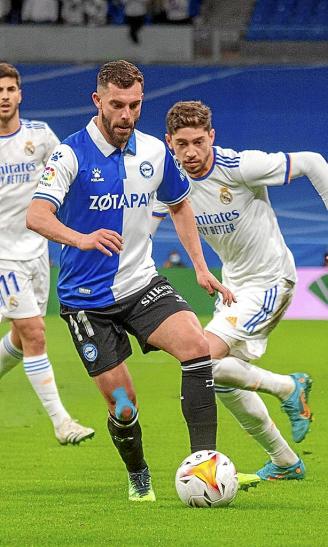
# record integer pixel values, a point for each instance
(261, 66)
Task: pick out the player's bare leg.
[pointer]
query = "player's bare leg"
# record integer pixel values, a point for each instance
(27, 335)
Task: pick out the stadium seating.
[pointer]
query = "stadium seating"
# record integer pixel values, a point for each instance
(14, 12)
(296, 20)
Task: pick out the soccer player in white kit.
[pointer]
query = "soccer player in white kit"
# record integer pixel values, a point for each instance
(234, 216)
(24, 264)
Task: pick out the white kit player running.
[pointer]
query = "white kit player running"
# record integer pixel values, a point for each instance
(234, 216)
(24, 265)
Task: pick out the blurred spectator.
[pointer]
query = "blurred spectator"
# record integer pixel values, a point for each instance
(72, 12)
(158, 11)
(5, 7)
(174, 260)
(95, 12)
(80, 12)
(16, 11)
(98, 12)
(135, 13)
(177, 12)
(40, 11)
(115, 13)
(325, 259)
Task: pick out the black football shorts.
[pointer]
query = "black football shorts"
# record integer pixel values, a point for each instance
(100, 335)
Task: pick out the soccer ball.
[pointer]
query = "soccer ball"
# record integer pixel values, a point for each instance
(206, 479)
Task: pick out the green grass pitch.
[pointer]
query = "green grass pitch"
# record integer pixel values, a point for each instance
(54, 495)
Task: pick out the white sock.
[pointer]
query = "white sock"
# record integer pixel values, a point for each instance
(252, 414)
(235, 372)
(10, 356)
(40, 373)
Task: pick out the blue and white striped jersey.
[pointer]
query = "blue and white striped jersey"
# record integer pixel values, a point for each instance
(95, 185)
(23, 156)
(234, 215)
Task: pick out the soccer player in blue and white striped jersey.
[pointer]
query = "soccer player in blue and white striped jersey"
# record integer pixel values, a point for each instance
(96, 198)
(234, 216)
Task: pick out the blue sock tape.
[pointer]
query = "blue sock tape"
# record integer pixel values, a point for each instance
(122, 402)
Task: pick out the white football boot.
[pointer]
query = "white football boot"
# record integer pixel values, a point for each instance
(71, 432)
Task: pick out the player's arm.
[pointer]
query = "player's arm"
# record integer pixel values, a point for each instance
(154, 223)
(315, 168)
(258, 168)
(41, 218)
(184, 222)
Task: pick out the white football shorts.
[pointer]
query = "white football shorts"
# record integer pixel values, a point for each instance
(24, 287)
(245, 326)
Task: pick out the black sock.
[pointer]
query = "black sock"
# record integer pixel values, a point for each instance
(198, 403)
(127, 437)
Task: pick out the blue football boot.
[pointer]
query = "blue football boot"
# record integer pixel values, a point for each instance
(297, 408)
(273, 472)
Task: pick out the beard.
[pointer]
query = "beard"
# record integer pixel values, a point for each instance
(8, 116)
(198, 169)
(115, 138)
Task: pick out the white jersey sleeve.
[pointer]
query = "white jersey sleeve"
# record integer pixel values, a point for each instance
(258, 168)
(160, 209)
(315, 168)
(59, 173)
(50, 143)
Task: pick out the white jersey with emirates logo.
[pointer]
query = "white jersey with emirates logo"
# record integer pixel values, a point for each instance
(23, 156)
(234, 215)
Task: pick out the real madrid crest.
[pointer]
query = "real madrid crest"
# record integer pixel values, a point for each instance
(225, 196)
(13, 302)
(29, 148)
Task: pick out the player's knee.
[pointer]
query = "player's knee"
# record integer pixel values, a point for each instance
(195, 345)
(202, 346)
(125, 404)
(219, 349)
(33, 337)
(36, 343)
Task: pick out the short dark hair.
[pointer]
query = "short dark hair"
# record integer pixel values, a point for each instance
(188, 114)
(120, 73)
(9, 71)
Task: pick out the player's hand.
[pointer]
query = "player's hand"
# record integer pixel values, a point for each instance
(211, 284)
(106, 241)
